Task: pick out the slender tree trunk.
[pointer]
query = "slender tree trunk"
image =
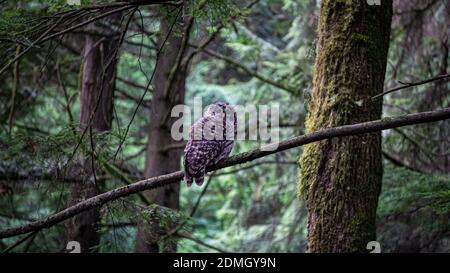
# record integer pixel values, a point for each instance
(97, 91)
(159, 159)
(341, 177)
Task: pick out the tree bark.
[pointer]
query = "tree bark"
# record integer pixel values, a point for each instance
(97, 92)
(158, 159)
(341, 177)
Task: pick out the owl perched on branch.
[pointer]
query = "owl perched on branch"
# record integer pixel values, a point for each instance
(211, 140)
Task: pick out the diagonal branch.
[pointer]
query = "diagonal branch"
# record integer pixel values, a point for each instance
(175, 177)
(195, 240)
(246, 69)
(411, 84)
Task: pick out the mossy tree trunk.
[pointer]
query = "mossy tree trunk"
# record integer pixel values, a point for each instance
(162, 157)
(341, 177)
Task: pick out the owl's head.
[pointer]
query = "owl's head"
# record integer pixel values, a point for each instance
(219, 109)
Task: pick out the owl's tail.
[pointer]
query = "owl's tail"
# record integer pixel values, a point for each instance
(188, 179)
(199, 179)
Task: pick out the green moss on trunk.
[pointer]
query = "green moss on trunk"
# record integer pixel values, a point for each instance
(341, 178)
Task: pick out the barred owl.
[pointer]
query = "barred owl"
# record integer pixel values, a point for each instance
(211, 140)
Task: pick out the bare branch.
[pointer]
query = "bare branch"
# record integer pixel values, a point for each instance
(185, 236)
(247, 70)
(411, 84)
(397, 162)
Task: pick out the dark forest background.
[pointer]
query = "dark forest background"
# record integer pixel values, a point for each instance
(131, 62)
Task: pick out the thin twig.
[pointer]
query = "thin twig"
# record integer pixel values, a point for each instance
(169, 32)
(33, 44)
(247, 70)
(191, 214)
(21, 241)
(185, 236)
(408, 85)
(14, 91)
